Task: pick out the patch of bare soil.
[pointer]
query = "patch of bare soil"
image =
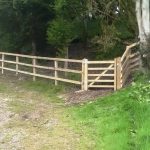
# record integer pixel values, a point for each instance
(75, 97)
(85, 96)
(5, 114)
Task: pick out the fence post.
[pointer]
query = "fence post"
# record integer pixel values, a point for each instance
(17, 61)
(118, 73)
(56, 72)
(115, 74)
(34, 68)
(3, 58)
(85, 74)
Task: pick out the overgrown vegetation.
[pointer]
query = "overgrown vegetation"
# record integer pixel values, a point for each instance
(46, 27)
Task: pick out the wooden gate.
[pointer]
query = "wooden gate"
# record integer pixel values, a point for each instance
(101, 74)
(112, 74)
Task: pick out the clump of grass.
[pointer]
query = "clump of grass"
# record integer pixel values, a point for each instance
(43, 86)
(20, 106)
(74, 76)
(3, 87)
(47, 89)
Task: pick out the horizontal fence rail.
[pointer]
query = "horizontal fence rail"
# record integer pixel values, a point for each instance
(111, 74)
(33, 66)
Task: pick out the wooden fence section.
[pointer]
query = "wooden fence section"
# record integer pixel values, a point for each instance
(33, 66)
(112, 74)
(130, 61)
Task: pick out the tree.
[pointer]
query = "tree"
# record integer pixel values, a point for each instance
(117, 25)
(61, 34)
(24, 24)
(8, 26)
(143, 19)
(33, 18)
(102, 25)
(82, 26)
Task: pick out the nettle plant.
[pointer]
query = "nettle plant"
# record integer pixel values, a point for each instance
(141, 92)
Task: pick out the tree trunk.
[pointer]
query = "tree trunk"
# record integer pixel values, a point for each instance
(143, 19)
(33, 47)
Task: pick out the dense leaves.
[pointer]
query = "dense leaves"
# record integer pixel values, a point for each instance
(24, 24)
(35, 26)
(141, 92)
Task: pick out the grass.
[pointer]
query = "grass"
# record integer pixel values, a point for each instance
(20, 107)
(46, 89)
(37, 116)
(3, 87)
(117, 122)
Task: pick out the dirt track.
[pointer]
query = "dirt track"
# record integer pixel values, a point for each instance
(30, 121)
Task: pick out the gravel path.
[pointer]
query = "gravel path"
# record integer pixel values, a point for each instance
(9, 137)
(28, 121)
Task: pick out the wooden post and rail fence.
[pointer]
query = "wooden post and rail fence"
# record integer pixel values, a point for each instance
(112, 74)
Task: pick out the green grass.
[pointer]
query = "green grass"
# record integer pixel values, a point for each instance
(74, 76)
(3, 87)
(20, 107)
(43, 87)
(47, 89)
(117, 122)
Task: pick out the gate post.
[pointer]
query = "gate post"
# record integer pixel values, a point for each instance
(85, 74)
(118, 74)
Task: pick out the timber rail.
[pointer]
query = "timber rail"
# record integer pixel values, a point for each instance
(111, 74)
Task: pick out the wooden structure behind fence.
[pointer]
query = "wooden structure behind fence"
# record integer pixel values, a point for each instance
(112, 74)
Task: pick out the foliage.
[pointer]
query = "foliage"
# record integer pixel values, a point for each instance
(24, 23)
(71, 22)
(102, 26)
(60, 34)
(118, 27)
(141, 92)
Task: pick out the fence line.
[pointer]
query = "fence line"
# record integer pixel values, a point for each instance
(35, 66)
(112, 74)
(129, 62)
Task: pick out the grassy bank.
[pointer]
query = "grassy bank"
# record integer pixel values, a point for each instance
(118, 122)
